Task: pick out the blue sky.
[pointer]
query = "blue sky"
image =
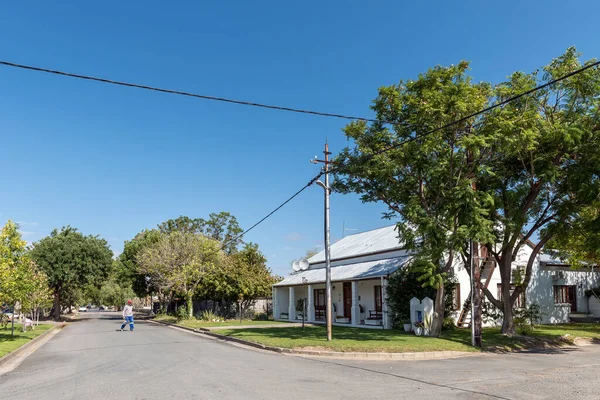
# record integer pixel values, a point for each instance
(113, 161)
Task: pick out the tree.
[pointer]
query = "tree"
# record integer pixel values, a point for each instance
(407, 283)
(71, 261)
(427, 183)
(127, 269)
(37, 295)
(249, 278)
(579, 242)
(181, 260)
(15, 267)
(528, 168)
(542, 172)
(222, 227)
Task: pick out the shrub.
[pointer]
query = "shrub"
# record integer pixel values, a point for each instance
(448, 325)
(261, 317)
(526, 318)
(209, 316)
(181, 313)
(300, 305)
(404, 284)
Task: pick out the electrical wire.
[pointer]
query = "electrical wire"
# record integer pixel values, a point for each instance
(182, 93)
(238, 237)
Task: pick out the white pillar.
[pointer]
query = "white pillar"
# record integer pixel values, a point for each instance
(355, 308)
(276, 314)
(292, 306)
(384, 307)
(310, 304)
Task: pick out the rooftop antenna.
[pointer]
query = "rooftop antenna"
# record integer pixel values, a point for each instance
(344, 229)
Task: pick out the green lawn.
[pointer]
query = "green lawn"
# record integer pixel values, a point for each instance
(196, 323)
(370, 340)
(9, 343)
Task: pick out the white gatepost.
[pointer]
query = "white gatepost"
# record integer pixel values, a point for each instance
(416, 311)
(355, 311)
(276, 314)
(310, 304)
(427, 304)
(421, 311)
(384, 307)
(292, 305)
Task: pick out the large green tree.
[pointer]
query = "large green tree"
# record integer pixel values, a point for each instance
(181, 260)
(248, 277)
(222, 227)
(523, 170)
(127, 269)
(71, 261)
(427, 183)
(543, 170)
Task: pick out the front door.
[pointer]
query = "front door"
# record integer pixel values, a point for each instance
(347, 299)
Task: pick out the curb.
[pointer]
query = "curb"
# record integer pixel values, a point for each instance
(6, 358)
(426, 355)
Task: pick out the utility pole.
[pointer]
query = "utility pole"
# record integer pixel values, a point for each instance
(476, 324)
(327, 189)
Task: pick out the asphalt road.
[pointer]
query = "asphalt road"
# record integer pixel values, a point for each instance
(90, 360)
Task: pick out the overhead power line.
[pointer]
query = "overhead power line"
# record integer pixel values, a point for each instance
(475, 114)
(188, 94)
(238, 237)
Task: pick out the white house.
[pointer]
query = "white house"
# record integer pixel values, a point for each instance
(361, 264)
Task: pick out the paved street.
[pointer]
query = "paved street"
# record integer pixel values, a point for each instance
(90, 360)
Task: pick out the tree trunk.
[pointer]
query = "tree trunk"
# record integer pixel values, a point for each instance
(438, 313)
(190, 306)
(508, 325)
(57, 305)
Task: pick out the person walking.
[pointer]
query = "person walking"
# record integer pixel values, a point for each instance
(128, 316)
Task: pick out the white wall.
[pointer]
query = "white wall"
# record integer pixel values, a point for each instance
(541, 290)
(594, 306)
(282, 298)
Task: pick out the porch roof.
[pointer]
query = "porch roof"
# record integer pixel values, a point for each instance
(347, 272)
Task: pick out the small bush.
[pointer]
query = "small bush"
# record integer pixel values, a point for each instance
(261, 317)
(449, 324)
(209, 316)
(526, 318)
(181, 313)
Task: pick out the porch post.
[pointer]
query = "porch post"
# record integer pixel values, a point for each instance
(292, 306)
(276, 313)
(310, 304)
(355, 307)
(384, 307)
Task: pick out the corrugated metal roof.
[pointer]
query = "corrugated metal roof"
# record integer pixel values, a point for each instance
(363, 270)
(377, 240)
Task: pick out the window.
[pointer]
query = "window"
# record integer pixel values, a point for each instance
(378, 299)
(456, 297)
(519, 303)
(564, 294)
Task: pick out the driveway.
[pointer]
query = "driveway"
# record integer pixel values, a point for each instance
(90, 360)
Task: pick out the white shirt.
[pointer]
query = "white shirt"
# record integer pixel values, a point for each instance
(128, 311)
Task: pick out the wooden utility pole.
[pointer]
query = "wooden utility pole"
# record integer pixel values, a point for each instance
(475, 277)
(327, 189)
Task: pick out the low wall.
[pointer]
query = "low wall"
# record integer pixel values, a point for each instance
(559, 314)
(594, 306)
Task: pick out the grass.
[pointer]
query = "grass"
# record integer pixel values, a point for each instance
(394, 341)
(196, 323)
(9, 343)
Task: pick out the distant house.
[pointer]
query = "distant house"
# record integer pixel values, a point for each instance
(362, 263)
